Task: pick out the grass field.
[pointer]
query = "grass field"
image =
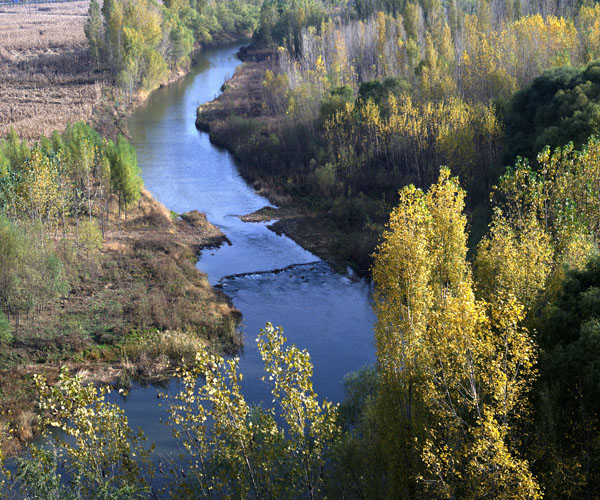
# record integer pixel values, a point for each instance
(47, 78)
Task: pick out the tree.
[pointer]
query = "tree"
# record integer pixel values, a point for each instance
(94, 31)
(5, 332)
(155, 69)
(90, 238)
(125, 172)
(514, 260)
(464, 365)
(568, 408)
(105, 459)
(245, 452)
(38, 195)
(557, 199)
(558, 107)
(30, 274)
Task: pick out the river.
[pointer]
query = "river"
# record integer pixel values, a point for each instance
(276, 280)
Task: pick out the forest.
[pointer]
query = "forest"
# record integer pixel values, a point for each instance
(143, 42)
(371, 98)
(452, 144)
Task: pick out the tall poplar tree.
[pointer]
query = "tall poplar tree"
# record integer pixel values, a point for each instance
(125, 172)
(464, 364)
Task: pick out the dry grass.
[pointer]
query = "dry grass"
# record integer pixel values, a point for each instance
(153, 354)
(47, 77)
(144, 279)
(33, 27)
(136, 310)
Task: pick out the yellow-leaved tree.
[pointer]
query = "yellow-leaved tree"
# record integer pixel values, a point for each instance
(454, 369)
(241, 451)
(94, 454)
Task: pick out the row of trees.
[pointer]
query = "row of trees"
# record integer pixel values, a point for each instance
(142, 41)
(62, 184)
(464, 57)
(443, 49)
(440, 59)
(69, 174)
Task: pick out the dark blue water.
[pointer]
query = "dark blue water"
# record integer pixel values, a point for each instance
(327, 313)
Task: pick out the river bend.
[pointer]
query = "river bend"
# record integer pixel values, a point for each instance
(268, 277)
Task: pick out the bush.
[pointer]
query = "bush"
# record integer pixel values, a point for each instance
(90, 236)
(5, 329)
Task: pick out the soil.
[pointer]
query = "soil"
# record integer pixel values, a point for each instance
(306, 227)
(48, 78)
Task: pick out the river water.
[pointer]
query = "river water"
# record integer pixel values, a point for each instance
(276, 280)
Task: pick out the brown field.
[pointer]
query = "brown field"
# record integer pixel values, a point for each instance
(46, 76)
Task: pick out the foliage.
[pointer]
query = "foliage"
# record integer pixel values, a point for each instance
(142, 41)
(429, 81)
(282, 22)
(547, 219)
(514, 260)
(558, 107)
(242, 451)
(543, 234)
(48, 187)
(30, 275)
(103, 457)
(456, 369)
(568, 406)
(125, 173)
(358, 455)
(93, 30)
(5, 330)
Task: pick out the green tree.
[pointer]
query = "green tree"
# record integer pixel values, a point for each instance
(155, 69)
(125, 172)
(558, 107)
(5, 329)
(568, 403)
(94, 31)
(30, 274)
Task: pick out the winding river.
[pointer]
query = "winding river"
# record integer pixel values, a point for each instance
(275, 279)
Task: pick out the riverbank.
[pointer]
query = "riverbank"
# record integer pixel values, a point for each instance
(241, 114)
(135, 309)
(137, 306)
